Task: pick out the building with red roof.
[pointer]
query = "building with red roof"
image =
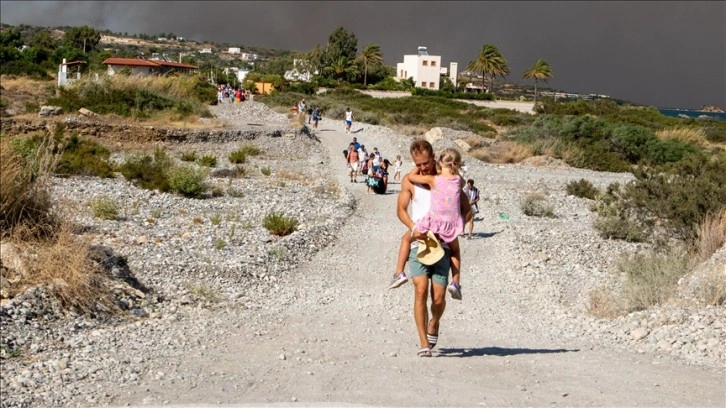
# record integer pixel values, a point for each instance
(147, 67)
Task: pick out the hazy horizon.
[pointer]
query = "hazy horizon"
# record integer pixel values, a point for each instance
(668, 54)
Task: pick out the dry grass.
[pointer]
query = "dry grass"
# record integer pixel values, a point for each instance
(502, 152)
(64, 265)
(291, 176)
(711, 235)
(24, 197)
(47, 250)
(652, 277)
(684, 134)
(22, 92)
(604, 304)
(410, 130)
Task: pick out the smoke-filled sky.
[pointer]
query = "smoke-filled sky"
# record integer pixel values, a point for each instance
(669, 54)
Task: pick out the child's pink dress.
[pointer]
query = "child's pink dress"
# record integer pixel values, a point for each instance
(444, 216)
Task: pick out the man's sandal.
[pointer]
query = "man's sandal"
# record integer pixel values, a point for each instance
(424, 352)
(432, 338)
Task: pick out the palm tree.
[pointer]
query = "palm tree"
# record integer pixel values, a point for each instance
(540, 71)
(371, 55)
(490, 62)
(341, 68)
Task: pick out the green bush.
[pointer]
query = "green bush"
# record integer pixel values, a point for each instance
(207, 160)
(582, 188)
(250, 150)
(141, 98)
(84, 157)
(237, 157)
(78, 156)
(673, 199)
(265, 171)
(307, 88)
(148, 172)
(104, 208)
(188, 180)
(278, 224)
(189, 156)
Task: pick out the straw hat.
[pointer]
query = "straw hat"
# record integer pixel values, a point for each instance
(429, 249)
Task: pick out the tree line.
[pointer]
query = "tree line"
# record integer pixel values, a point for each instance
(336, 63)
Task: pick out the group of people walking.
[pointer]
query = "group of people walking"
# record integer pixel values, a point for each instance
(228, 94)
(373, 166)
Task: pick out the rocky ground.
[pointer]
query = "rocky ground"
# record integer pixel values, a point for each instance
(223, 312)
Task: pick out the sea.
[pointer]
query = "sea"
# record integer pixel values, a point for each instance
(691, 113)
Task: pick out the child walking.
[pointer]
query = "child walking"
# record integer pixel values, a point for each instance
(444, 218)
(397, 164)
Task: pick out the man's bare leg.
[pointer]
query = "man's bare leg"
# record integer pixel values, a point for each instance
(420, 312)
(438, 305)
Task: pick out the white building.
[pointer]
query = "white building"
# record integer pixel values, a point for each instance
(206, 51)
(234, 50)
(301, 71)
(241, 74)
(425, 69)
(249, 57)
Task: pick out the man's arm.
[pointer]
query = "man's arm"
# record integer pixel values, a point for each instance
(404, 199)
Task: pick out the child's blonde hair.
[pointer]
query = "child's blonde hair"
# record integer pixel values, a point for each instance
(451, 159)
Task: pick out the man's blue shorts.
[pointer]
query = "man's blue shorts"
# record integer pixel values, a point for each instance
(438, 272)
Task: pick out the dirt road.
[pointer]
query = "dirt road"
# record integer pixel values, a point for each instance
(348, 341)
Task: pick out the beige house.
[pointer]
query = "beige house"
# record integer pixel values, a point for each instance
(425, 69)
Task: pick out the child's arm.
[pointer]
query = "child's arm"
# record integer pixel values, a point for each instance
(416, 178)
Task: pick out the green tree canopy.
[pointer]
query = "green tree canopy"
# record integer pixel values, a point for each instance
(84, 38)
(341, 43)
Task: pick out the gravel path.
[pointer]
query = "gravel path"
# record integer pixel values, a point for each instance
(306, 320)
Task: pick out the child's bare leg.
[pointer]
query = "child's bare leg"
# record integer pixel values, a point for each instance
(455, 261)
(403, 252)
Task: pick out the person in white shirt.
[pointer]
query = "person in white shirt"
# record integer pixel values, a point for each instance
(348, 120)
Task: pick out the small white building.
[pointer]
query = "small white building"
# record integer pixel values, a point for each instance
(241, 74)
(63, 71)
(301, 71)
(234, 50)
(206, 51)
(249, 57)
(425, 69)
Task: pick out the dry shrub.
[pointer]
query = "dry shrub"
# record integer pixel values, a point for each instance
(652, 277)
(289, 175)
(502, 152)
(24, 196)
(481, 154)
(63, 263)
(604, 304)
(50, 254)
(410, 130)
(711, 235)
(684, 134)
